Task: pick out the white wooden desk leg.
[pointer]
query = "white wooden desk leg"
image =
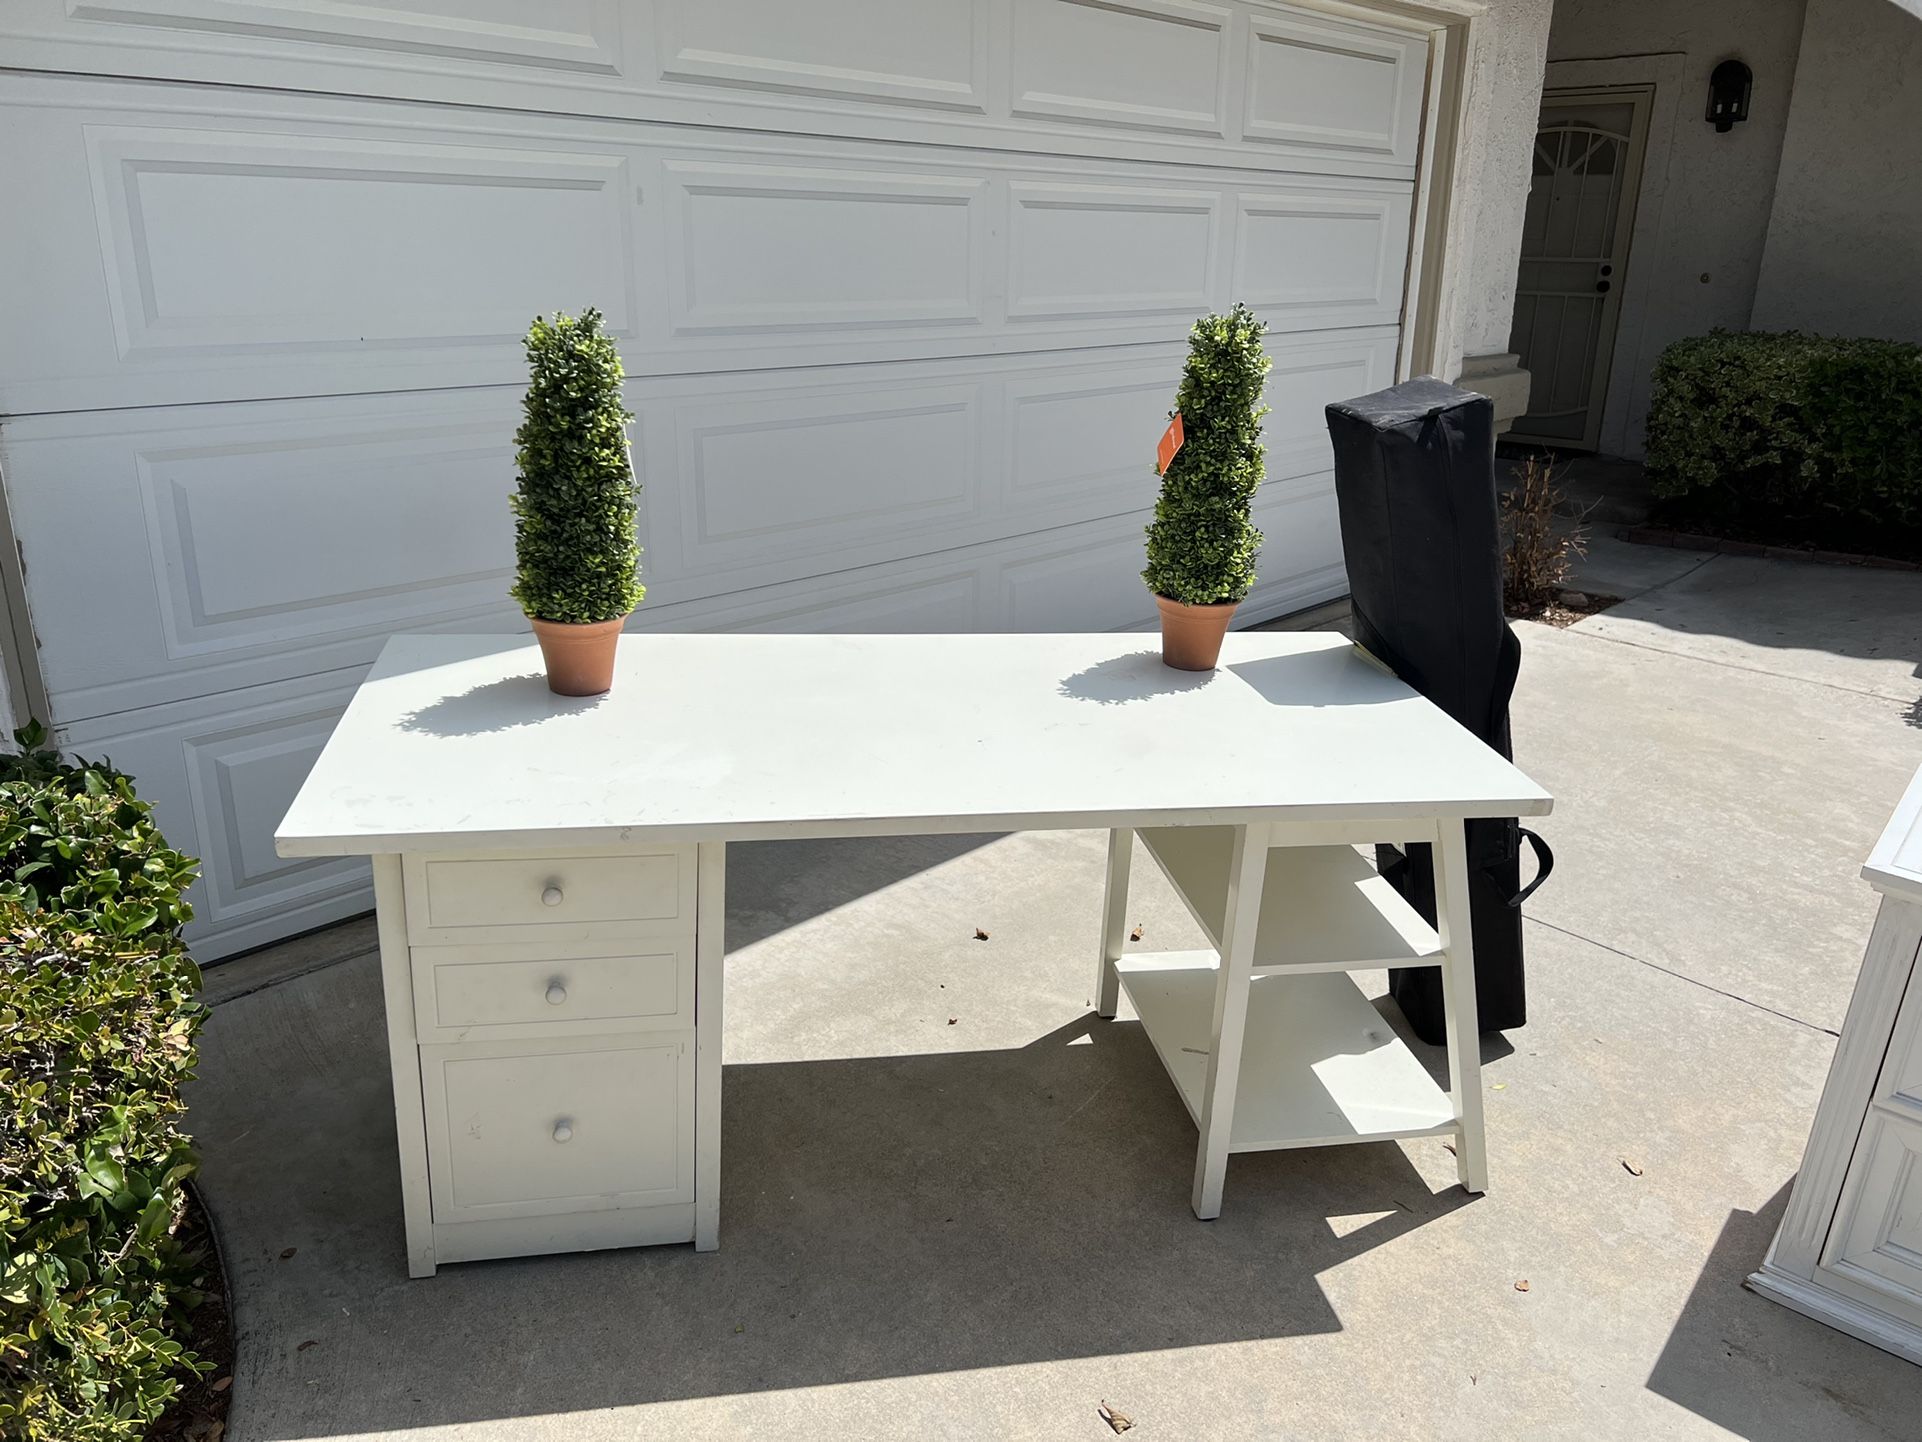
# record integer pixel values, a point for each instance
(710, 943)
(1247, 868)
(403, 1055)
(1114, 920)
(1458, 996)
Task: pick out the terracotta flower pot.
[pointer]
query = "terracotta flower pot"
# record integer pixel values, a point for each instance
(579, 654)
(1191, 635)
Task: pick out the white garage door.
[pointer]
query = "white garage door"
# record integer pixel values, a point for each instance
(902, 288)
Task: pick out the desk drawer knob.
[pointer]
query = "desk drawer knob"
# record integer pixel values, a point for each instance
(563, 1131)
(551, 896)
(556, 994)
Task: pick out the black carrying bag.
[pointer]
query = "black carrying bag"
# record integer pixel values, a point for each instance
(1415, 483)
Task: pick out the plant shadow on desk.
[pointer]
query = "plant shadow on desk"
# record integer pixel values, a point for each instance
(884, 1216)
(503, 705)
(1138, 676)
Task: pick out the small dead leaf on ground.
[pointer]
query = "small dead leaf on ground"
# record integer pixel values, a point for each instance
(1522, 1285)
(1135, 935)
(287, 1252)
(1119, 1421)
(223, 1384)
(980, 935)
(952, 1020)
(1634, 1169)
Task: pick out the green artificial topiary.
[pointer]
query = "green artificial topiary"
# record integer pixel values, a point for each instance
(1202, 544)
(575, 525)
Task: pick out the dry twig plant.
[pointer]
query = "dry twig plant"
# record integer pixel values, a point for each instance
(1537, 553)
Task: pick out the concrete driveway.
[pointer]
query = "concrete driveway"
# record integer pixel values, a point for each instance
(955, 1205)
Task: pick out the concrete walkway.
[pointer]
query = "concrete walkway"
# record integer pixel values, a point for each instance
(956, 1206)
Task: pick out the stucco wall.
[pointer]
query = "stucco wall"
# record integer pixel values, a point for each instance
(1845, 238)
(1505, 106)
(1717, 190)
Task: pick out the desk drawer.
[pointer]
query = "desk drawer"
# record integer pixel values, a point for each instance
(525, 1129)
(577, 895)
(479, 993)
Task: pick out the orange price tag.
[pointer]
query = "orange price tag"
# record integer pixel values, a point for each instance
(1170, 442)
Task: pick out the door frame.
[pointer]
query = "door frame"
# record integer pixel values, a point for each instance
(1640, 100)
(23, 691)
(1630, 373)
(1434, 296)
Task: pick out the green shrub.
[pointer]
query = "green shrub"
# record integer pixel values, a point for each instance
(575, 527)
(1202, 544)
(97, 1027)
(1785, 431)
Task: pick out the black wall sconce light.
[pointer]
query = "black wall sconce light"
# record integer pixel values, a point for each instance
(1728, 87)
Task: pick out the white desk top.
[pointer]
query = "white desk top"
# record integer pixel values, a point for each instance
(1895, 866)
(455, 742)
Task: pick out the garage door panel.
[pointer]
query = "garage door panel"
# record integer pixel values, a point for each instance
(1179, 80)
(570, 35)
(293, 537)
(1301, 383)
(1147, 65)
(242, 544)
(1317, 85)
(228, 244)
(250, 256)
(1304, 261)
(220, 773)
(231, 546)
(783, 248)
(1075, 446)
(920, 597)
(915, 52)
(826, 476)
(1063, 259)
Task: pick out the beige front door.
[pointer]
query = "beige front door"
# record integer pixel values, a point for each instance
(1581, 210)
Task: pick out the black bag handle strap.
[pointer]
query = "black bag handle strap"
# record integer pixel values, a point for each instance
(1544, 863)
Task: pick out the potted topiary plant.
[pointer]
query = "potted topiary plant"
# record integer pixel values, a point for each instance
(1202, 544)
(574, 509)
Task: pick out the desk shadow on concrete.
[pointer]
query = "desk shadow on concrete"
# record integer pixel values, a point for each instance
(881, 1217)
(773, 885)
(1767, 1373)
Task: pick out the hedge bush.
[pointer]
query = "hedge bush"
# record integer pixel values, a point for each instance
(97, 1027)
(575, 529)
(1202, 544)
(1785, 432)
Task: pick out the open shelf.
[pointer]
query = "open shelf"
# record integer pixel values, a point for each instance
(1319, 1066)
(1323, 908)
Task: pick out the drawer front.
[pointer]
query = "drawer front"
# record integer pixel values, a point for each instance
(468, 993)
(564, 896)
(1876, 1240)
(524, 1129)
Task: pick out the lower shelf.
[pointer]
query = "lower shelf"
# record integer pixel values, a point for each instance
(1319, 1066)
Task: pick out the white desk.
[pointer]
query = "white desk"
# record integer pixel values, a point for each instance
(1849, 1251)
(549, 874)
